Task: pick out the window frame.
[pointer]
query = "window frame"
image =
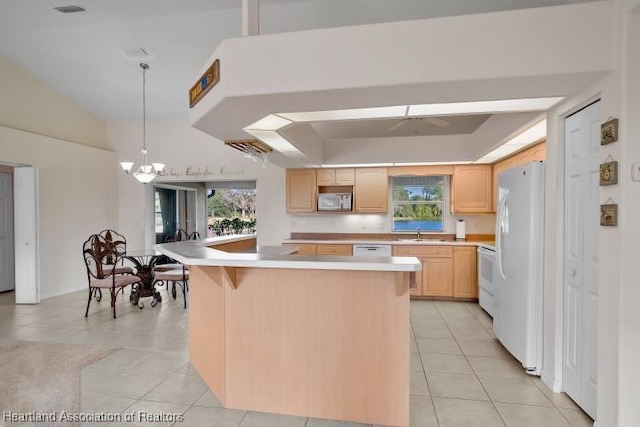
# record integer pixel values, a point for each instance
(444, 202)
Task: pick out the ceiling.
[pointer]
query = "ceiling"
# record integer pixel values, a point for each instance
(80, 55)
(407, 127)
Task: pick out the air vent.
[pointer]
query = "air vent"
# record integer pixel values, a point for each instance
(251, 147)
(136, 53)
(69, 9)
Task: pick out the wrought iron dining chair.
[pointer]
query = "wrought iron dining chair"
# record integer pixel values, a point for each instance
(119, 243)
(98, 252)
(177, 277)
(178, 236)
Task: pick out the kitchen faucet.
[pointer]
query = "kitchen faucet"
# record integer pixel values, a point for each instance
(418, 233)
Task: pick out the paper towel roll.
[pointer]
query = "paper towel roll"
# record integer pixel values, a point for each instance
(460, 230)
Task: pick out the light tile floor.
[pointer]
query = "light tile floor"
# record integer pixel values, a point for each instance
(460, 374)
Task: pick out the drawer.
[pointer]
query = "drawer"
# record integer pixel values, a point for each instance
(303, 248)
(334, 249)
(424, 251)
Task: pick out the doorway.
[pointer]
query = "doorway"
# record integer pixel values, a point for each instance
(174, 209)
(7, 271)
(580, 288)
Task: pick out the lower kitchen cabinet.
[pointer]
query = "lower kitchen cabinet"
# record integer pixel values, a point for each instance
(465, 272)
(334, 250)
(447, 271)
(437, 277)
(303, 248)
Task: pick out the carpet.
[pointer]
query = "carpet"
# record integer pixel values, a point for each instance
(43, 378)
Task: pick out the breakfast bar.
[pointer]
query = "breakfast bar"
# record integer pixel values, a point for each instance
(315, 336)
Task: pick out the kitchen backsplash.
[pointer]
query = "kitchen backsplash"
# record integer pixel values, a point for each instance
(379, 223)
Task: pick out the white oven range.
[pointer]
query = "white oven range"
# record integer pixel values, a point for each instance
(486, 258)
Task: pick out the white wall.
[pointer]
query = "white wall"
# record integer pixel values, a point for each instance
(77, 196)
(379, 223)
(179, 146)
(29, 105)
(629, 253)
(618, 252)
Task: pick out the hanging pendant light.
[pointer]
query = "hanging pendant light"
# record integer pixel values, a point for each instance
(147, 171)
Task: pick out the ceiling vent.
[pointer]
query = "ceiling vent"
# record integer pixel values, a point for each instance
(136, 53)
(69, 9)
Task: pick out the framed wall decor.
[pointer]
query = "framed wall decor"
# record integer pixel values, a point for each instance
(609, 132)
(609, 215)
(609, 173)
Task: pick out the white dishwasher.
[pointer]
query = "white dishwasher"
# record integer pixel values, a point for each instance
(371, 250)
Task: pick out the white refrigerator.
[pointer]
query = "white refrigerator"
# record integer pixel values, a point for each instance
(518, 270)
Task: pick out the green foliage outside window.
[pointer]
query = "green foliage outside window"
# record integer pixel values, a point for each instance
(231, 211)
(418, 203)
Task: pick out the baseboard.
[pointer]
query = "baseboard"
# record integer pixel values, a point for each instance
(595, 424)
(555, 386)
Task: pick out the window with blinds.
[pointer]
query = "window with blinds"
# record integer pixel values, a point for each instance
(418, 203)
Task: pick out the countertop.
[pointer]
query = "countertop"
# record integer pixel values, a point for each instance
(490, 244)
(203, 253)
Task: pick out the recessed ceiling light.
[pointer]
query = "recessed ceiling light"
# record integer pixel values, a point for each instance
(70, 9)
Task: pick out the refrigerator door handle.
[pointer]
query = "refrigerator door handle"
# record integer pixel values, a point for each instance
(503, 217)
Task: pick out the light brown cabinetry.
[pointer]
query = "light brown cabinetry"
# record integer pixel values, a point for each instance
(303, 248)
(536, 153)
(341, 176)
(371, 190)
(323, 249)
(436, 277)
(465, 272)
(301, 190)
(471, 189)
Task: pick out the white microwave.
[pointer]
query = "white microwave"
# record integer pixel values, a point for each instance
(334, 202)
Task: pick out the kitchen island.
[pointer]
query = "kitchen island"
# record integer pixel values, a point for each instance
(315, 336)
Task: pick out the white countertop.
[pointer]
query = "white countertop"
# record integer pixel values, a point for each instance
(202, 252)
(401, 242)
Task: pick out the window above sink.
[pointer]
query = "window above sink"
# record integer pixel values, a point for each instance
(419, 203)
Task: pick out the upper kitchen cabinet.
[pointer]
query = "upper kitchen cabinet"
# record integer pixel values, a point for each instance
(301, 190)
(471, 189)
(371, 190)
(536, 153)
(342, 176)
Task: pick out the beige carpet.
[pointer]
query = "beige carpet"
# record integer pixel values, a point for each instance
(43, 377)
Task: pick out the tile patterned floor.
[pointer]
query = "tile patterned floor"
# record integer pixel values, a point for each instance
(460, 374)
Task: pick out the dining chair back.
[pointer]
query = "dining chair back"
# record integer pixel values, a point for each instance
(119, 243)
(99, 257)
(178, 236)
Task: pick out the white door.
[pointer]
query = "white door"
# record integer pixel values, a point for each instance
(6, 232)
(582, 155)
(27, 267)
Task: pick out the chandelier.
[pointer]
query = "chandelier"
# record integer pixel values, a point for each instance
(147, 171)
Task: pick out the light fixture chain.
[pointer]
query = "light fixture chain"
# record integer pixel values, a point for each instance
(144, 107)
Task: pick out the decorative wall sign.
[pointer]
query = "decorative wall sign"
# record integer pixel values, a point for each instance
(209, 79)
(609, 173)
(609, 215)
(609, 132)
